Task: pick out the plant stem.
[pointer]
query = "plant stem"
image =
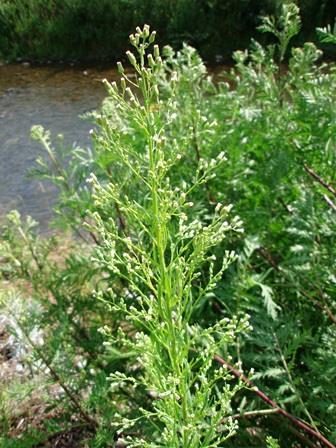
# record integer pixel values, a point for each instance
(75, 401)
(319, 179)
(297, 422)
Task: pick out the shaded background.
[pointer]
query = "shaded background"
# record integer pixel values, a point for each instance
(98, 30)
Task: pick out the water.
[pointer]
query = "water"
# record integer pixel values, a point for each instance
(55, 98)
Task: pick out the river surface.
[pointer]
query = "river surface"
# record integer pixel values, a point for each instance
(55, 98)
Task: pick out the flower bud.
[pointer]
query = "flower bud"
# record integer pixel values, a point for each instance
(141, 83)
(152, 37)
(131, 58)
(130, 93)
(156, 91)
(151, 62)
(156, 51)
(221, 156)
(132, 39)
(218, 207)
(146, 30)
(112, 87)
(120, 68)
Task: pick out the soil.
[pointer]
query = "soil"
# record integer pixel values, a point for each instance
(72, 438)
(32, 411)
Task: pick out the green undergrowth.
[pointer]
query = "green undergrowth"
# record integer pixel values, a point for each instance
(97, 30)
(204, 216)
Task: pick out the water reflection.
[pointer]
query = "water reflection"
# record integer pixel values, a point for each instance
(53, 97)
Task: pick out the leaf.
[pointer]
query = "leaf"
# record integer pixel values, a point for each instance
(271, 306)
(252, 243)
(267, 294)
(327, 35)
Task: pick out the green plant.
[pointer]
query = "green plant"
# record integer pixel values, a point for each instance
(327, 34)
(154, 294)
(272, 443)
(285, 28)
(160, 259)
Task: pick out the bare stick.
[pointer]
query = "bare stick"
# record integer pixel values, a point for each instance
(322, 306)
(297, 422)
(329, 202)
(256, 413)
(73, 398)
(319, 179)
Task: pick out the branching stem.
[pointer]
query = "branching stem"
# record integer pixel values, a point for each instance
(297, 422)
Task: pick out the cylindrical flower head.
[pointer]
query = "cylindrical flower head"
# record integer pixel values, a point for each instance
(132, 39)
(131, 58)
(146, 30)
(152, 37)
(156, 91)
(156, 51)
(120, 68)
(151, 62)
(114, 87)
(130, 93)
(158, 61)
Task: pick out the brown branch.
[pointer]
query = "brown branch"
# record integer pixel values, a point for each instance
(297, 422)
(121, 219)
(93, 236)
(196, 146)
(57, 434)
(268, 413)
(303, 438)
(322, 307)
(329, 202)
(75, 401)
(269, 258)
(285, 206)
(322, 182)
(319, 179)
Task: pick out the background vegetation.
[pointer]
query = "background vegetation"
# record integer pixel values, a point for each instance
(197, 305)
(96, 30)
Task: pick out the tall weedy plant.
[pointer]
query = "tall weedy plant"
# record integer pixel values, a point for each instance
(155, 227)
(155, 258)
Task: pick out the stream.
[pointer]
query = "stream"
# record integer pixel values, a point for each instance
(54, 97)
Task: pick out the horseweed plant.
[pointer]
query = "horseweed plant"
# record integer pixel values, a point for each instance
(156, 257)
(155, 226)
